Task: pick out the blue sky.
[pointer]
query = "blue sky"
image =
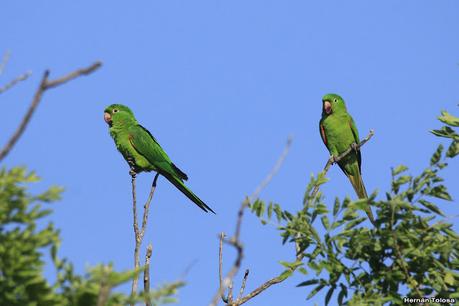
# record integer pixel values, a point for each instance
(221, 85)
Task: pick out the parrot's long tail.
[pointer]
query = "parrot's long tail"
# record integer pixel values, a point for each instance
(359, 187)
(190, 195)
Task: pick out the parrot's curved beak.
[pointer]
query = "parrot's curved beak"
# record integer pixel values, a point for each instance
(108, 118)
(327, 107)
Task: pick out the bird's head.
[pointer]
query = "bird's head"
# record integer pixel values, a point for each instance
(332, 103)
(118, 114)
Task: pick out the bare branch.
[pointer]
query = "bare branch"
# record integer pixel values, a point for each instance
(235, 240)
(146, 275)
(136, 234)
(244, 281)
(16, 80)
(276, 280)
(45, 84)
(5, 59)
(139, 233)
(73, 75)
(220, 268)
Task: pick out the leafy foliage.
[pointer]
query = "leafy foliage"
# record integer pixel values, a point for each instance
(22, 243)
(413, 250)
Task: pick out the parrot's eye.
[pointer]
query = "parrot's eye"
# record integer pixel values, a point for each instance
(335, 100)
(115, 110)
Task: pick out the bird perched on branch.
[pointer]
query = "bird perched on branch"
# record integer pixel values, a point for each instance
(338, 132)
(142, 152)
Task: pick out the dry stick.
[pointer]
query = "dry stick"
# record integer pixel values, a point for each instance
(244, 280)
(5, 59)
(146, 275)
(220, 268)
(333, 160)
(45, 84)
(16, 80)
(235, 240)
(139, 233)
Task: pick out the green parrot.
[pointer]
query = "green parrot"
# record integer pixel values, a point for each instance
(338, 132)
(142, 152)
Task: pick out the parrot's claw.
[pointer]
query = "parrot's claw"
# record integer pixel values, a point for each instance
(132, 173)
(333, 159)
(354, 146)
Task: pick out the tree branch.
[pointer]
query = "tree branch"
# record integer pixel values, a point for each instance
(45, 84)
(5, 59)
(16, 80)
(235, 240)
(146, 276)
(139, 233)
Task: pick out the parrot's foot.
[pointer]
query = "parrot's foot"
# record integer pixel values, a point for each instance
(333, 159)
(354, 147)
(132, 173)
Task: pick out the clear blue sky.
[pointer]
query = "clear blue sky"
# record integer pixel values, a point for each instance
(221, 84)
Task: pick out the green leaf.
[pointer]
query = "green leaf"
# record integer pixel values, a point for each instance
(453, 149)
(430, 206)
(445, 131)
(342, 294)
(436, 156)
(315, 290)
(278, 212)
(270, 210)
(336, 207)
(308, 283)
(329, 295)
(449, 279)
(449, 119)
(440, 192)
(286, 274)
(325, 222)
(399, 169)
(354, 223)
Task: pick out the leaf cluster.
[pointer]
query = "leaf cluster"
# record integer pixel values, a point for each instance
(25, 233)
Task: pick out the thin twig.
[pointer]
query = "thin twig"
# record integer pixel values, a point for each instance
(139, 233)
(235, 240)
(45, 84)
(333, 160)
(5, 59)
(244, 281)
(146, 275)
(16, 80)
(276, 280)
(220, 268)
(136, 231)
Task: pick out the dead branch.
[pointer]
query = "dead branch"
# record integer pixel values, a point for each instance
(146, 275)
(139, 233)
(5, 59)
(235, 242)
(14, 81)
(45, 84)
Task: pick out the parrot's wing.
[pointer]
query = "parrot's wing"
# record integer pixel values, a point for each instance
(147, 146)
(322, 133)
(355, 132)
